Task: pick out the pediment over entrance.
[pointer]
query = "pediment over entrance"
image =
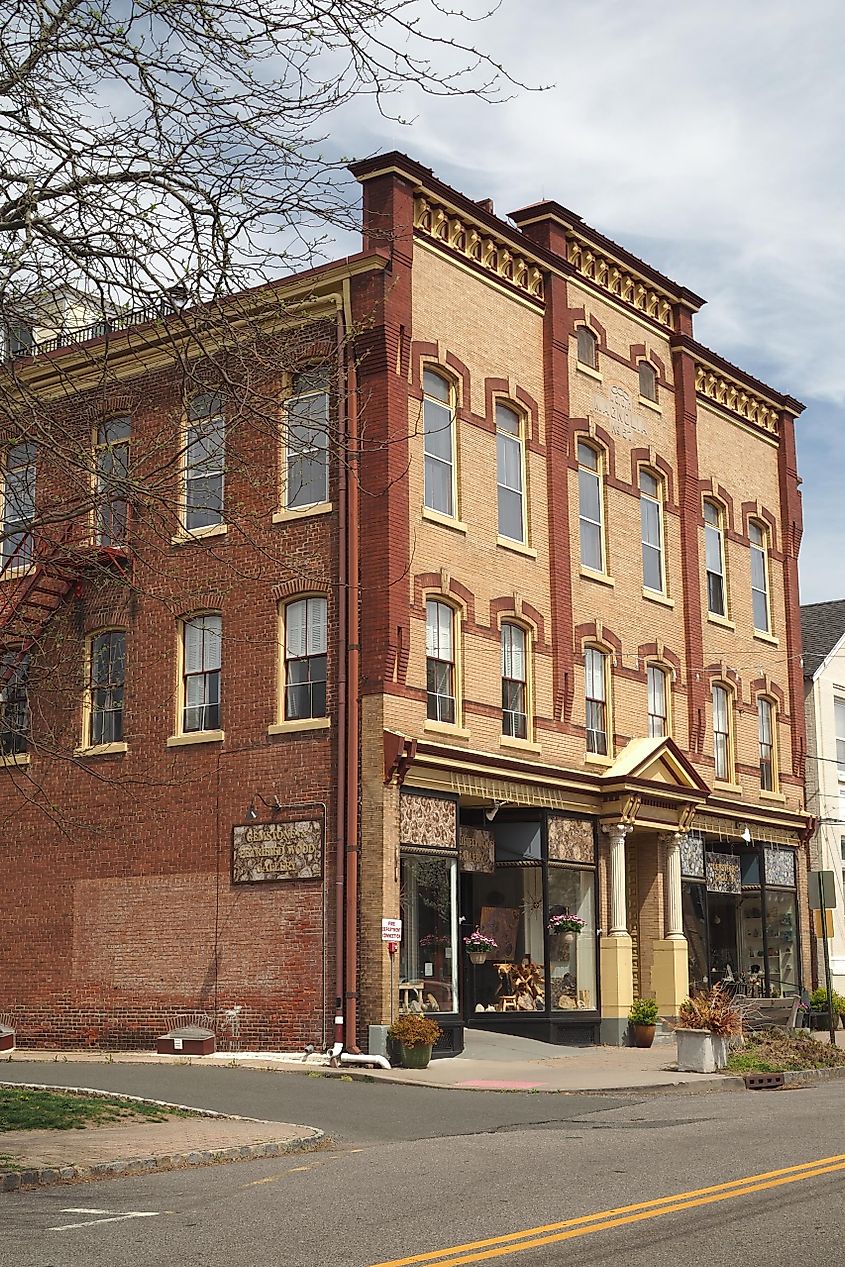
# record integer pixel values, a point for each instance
(657, 762)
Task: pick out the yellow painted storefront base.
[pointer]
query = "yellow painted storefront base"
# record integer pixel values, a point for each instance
(670, 974)
(617, 975)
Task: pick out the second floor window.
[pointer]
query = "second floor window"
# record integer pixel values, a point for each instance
(766, 731)
(722, 733)
(307, 447)
(14, 704)
(305, 658)
(106, 687)
(759, 577)
(658, 702)
(514, 682)
(438, 444)
(648, 381)
(201, 646)
(509, 465)
(440, 661)
(839, 728)
(595, 691)
(111, 504)
(651, 525)
(588, 348)
(205, 458)
(714, 552)
(18, 498)
(590, 509)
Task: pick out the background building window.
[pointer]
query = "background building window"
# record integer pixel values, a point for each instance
(440, 660)
(648, 381)
(307, 440)
(438, 444)
(205, 455)
(765, 726)
(759, 577)
(658, 702)
(14, 704)
(514, 682)
(590, 507)
(651, 524)
(588, 348)
(111, 511)
(839, 725)
(201, 673)
(106, 687)
(17, 546)
(714, 549)
(595, 690)
(510, 456)
(722, 733)
(305, 658)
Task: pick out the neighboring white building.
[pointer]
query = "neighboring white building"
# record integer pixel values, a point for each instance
(823, 633)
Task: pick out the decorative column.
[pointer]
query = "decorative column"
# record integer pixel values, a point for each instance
(616, 833)
(616, 950)
(672, 881)
(670, 974)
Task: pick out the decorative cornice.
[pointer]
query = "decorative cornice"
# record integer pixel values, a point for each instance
(622, 283)
(737, 399)
(483, 249)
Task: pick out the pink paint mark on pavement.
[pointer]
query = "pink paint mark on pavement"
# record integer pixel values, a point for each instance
(500, 1084)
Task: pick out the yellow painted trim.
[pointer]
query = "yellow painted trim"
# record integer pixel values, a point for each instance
(102, 750)
(581, 368)
(196, 736)
(198, 534)
(596, 758)
(445, 521)
(446, 728)
(303, 512)
(650, 404)
(522, 745)
(600, 577)
(767, 638)
(507, 543)
(655, 596)
(15, 758)
(721, 622)
(300, 724)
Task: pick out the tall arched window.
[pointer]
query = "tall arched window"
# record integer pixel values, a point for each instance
(205, 458)
(723, 732)
(714, 553)
(651, 525)
(510, 463)
(111, 493)
(596, 673)
(201, 661)
(305, 658)
(766, 722)
(307, 440)
(106, 687)
(648, 380)
(658, 701)
(440, 661)
(588, 348)
(759, 539)
(514, 681)
(591, 506)
(439, 491)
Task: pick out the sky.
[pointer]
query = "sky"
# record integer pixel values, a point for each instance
(708, 139)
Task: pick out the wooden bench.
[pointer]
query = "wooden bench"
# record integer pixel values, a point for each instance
(760, 1014)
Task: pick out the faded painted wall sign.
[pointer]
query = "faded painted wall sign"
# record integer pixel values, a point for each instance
(278, 851)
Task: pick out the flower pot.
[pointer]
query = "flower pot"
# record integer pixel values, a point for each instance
(643, 1034)
(414, 1057)
(569, 938)
(699, 1051)
(477, 956)
(821, 1021)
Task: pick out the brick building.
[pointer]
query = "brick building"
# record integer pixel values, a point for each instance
(485, 615)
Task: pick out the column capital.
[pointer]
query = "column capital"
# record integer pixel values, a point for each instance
(672, 838)
(617, 829)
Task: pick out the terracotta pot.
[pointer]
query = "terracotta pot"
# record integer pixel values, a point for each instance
(569, 938)
(477, 956)
(415, 1057)
(643, 1035)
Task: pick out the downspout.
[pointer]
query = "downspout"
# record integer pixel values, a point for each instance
(340, 773)
(353, 665)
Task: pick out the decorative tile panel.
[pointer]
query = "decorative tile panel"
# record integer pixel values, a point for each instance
(692, 857)
(780, 866)
(571, 839)
(723, 873)
(477, 849)
(430, 821)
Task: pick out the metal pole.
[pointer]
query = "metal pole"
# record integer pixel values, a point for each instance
(828, 983)
(392, 991)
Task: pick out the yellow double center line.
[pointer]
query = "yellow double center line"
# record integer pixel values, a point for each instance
(552, 1233)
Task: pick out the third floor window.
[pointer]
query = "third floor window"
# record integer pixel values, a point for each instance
(106, 687)
(201, 659)
(658, 702)
(440, 661)
(305, 658)
(714, 552)
(111, 494)
(205, 455)
(510, 458)
(590, 507)
(439, 444)
(514, 682)
(307, 440)
(651, 525)
(759, 577)
(18, 506)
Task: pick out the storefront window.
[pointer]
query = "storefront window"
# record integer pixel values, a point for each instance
(782, 943)
(508, 906)
(694, 905)
(572, 957)
(428, 954)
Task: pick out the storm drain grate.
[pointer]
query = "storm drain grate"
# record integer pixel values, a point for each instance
(763, 1081)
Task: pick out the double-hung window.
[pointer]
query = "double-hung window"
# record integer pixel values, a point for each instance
(759, 577)
(201, 646)
(595, 691)
(307, 442)
(510, 460)
(588, 348)
(766, 732)
(648, 381)
(651, 524)
(714, 551)
(590, 507)
(305, 658)
(514, 681)
(106, 687)
(839, 730)
(111, 461)
(658, 702)
(18, 496)
(205, 459)
(438, 444)
(440, 661)
(722, 738)
(14, 704)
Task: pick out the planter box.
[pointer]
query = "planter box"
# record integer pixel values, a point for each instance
(699, 1051)
(189, 1040)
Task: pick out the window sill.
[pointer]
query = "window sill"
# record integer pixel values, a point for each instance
(445, 521)
(523, 745)
(589, 371)
(589, 574)
(102, 750)
(654, 596)
(777, 797)
(199, 534)
(770, 639)
(300, 724)
(721, 621)
(290, 514)
(650, 404)
(446, 728)
(596, 758)
(722, 786)
(15, 758)
(196, 736)
(17, 574)
(507, 543)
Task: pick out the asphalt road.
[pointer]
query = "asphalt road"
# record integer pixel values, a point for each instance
(418, 1172)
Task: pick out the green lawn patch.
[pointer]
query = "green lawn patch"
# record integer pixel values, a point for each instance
(780, 1051)
(22, 1109)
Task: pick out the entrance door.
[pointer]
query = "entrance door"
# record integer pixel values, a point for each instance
(724, 939)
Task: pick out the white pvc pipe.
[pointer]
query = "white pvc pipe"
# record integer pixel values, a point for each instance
(346, 1058)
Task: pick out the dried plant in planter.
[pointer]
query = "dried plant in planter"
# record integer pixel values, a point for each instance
(711, 1010)
(413, 1030)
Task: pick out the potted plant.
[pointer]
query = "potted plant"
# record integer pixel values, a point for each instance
(569, 925)
(820, 1012)
(706, 1023)
(415, 1036)
(479, 946)
(643, 1018)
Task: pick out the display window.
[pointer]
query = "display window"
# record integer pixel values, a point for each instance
(428, 959)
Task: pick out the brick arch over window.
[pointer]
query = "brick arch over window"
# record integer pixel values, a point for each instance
(728, 677)
(508, 392)
(765, 686)
(662, 467)
(506, 605)
(711, 491)
(437, 357)
(600, 438)
(429, 584)
(639, 352)
(754, 510)
(657, 653)
(598, 634)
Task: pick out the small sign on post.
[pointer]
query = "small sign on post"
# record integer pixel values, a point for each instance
(391, 932)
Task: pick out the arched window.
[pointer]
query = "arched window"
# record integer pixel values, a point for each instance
(591, 506)
(439, 492)
(106, 687)
(588, 348)
(205, 458)
(514, 681)
(111, 465)
(658, 701)
(714, 553)
(307, 440)
(651, 524)
(596, 672)
(510, 464)
(723, 745)
(305, 625)
(441, 692)
(648, 380)
(201, 660)
(766, 731)
(759, 539)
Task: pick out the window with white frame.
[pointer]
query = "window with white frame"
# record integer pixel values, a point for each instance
(839, 728)
(440, 661)
(106, 687)
(758, 537)
(438, 444)
(510, 463)
(14, 704)
(111, 471)
(722, 735)
(714, 552)
(658, 701)
(766, 735)
(595, 692)
(307, 440)
(591, 507)
(651, 525)
(201, 659)
(18, 497)
(648, 380)
(588, 348)
(205, 457)
(514, 681)
(305, 658)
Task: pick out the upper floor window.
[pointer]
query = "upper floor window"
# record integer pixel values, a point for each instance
(591, 506)
(766, 734)
(440, 661)
(514, 681)
(588, 348)
(201, 648)
(19, 339)
(439, 444)
(839, 727)
(106, 686)
(758, 537)
(305, 658)
(651, 525)
(658, 702)
(14, 704)
(648, 380)
(510, 460)
(714, 550)
(111, 463)
(307, 445)
(595, 692)
(722, 733)
(205, 456)
(18, 498)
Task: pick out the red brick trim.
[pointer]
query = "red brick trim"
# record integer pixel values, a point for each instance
(689, 498)
(791, 532)
(557, 327)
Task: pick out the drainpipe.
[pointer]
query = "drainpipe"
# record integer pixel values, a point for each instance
(353, 663)
(340, 781)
